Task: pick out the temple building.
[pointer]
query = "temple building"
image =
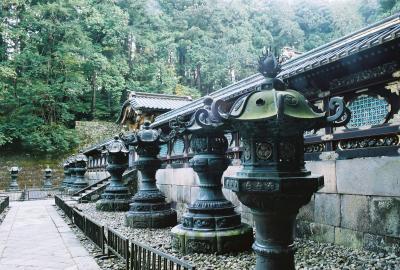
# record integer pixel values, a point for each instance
(138, 108)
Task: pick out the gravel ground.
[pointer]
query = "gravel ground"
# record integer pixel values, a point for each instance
(310, 255)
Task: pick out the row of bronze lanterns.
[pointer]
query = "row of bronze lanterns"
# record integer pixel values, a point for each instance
(74, 171)
(273, 181)
(147, 208)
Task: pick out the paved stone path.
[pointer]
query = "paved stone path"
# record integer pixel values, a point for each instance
(34, 237)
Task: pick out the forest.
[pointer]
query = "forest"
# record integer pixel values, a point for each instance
(68, 60)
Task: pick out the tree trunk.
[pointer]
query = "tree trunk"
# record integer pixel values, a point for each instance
(232, 74)
(94, 88)
(198, 67)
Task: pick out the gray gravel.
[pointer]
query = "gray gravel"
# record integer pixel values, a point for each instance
(310, 255)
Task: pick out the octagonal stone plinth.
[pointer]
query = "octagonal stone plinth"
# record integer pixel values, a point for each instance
(114, 199)
(152, 215)
(233, 240)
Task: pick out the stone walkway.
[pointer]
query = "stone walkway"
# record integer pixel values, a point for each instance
(34, 237)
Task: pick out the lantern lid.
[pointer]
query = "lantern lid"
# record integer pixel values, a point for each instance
(147, 134)
(15, 169)
(71, 159)
(81, 157)
(117, 146)
(272, 104)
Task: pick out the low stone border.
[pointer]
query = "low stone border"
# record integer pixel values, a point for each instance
(3, 214)
(310, 254)
(4, 207)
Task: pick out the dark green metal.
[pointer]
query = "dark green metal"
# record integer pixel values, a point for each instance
(79, 172)
(273, 182)
(67, 175)
(211, 224)
(72, 175)
(14, 176)
(47, 178)
(148, 208)
(116, 196)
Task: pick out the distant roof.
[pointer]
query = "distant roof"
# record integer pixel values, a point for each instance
(139, 100)
(365, 38)
(153, 102)
(96, 147)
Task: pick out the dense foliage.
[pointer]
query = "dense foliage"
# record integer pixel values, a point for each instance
(67, 60)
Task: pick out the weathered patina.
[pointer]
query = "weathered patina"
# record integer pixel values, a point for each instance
(148, 208)
(72, 175)
(67, 174)
(211, 223)
(116, 197)
(273, 182)
(79, 171)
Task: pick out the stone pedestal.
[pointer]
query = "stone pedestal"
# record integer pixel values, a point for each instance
(79, 170)
(148, 208)
(211, 224)
(47, 178)
(116, 197)
(14, 176)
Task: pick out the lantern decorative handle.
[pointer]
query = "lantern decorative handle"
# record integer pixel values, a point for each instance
(342, 113)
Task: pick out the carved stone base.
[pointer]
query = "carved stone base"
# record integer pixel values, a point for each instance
(48, 185)
(13, 185)
(67, 185)
(234, 240)
(61, 187)
(115, 198)
(157, 215)
(112, 205)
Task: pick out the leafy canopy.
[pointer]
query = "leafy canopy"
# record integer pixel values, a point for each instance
(68, 60)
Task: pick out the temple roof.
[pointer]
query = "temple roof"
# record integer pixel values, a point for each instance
(366, 38)
(151, 102)
(96, 147)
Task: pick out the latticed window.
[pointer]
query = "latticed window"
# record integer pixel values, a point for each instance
(367, 110)
(163, 150)
(178, 147)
